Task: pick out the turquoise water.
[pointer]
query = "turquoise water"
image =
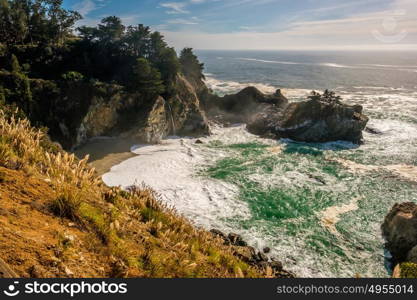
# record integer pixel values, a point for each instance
(287, 191)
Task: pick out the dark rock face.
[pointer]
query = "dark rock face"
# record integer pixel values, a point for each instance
(187, 117)
(412, 255)
(320, 121)
(400, 231)
(119, 113)
(243, 106)
(274, 117)
(236, 240)
(155, 126)
(249, 255)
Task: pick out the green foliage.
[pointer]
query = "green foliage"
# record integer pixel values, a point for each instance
(16, 89)
(190, 65)
(137, 39)
(111, 29)
(2, 96)
(35, 22)
(15, 66)
(147, 79)
(408, 270)
(51, 73)
(73, 76)
(327, 96)
(112, 44)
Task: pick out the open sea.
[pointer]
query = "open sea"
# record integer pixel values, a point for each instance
(319, 207)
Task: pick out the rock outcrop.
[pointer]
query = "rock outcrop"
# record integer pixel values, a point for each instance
(116, 112)
(253, 257)
(319, 121)
(155, 124)
(273, 116)
(186, 116)
(244, 106)
(400, 231)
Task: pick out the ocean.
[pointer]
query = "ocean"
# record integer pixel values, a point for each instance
(319, 207)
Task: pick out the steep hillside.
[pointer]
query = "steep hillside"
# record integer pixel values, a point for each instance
(59, 220)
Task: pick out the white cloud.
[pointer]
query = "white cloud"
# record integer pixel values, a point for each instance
(85, 7)
(175, 7)
(352, 32)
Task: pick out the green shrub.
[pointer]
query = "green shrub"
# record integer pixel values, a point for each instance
(67, 204)
(73, 76)
(408, 270)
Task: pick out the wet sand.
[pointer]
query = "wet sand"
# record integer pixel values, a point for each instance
(106, 152)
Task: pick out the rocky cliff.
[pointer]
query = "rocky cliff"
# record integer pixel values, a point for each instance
(110, 110)
(400, 231)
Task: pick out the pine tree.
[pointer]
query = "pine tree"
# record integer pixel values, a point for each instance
(146, 79)
(190, 65)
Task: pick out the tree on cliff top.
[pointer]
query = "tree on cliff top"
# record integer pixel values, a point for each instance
(190, 65)
(35, 22)
(327, 96)
(146, 79)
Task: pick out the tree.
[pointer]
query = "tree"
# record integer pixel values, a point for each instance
(72, 76)
(88, 33)
(111, 29)
(35, 22)
(327, 96)
(137, 40)
(168, 64)
(146, 79)
(156, 45)
(190, 65)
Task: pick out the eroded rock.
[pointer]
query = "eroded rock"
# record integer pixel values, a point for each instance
(400, 230)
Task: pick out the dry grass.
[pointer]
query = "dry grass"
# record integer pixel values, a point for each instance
(140, 236)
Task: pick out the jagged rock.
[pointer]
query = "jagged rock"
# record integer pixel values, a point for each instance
(247, 254)
(104, 111)
(110, 110)
(199, 142)
(243, 106)
(218, 233)
(155, 126)
(273, 116)
(400, 230)
(188, 118)
(313, 121)
(267, 250)
(237, 240)
(412, 255)
(262, 257)
(276, 266)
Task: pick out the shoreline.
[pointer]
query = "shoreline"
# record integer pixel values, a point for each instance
(106, 152)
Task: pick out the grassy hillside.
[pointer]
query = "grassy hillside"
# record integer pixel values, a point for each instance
(57, 219)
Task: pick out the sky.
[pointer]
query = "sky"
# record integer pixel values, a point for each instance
(267, 24)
